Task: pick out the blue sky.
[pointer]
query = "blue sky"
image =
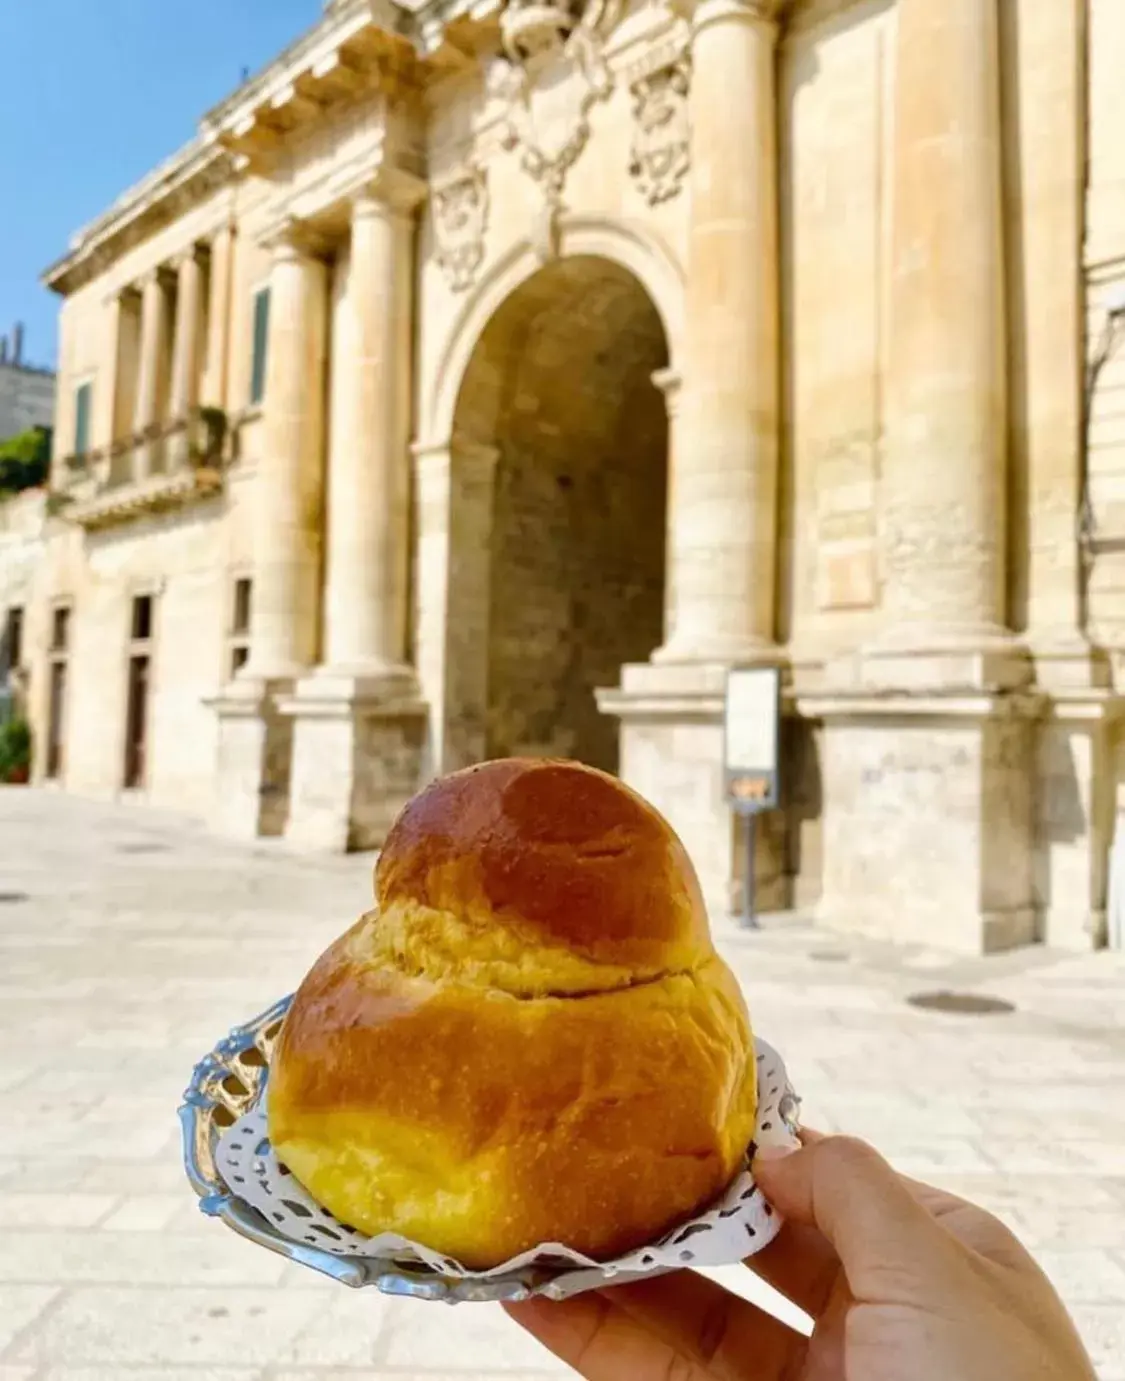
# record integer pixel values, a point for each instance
(94, 93)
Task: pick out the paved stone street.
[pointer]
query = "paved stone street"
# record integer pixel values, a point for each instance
(141, 939)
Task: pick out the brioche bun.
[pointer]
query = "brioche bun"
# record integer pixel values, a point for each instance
(529, 1039)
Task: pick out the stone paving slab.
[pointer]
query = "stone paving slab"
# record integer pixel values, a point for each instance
(122, 968)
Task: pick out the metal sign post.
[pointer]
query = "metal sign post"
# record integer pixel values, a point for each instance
(751, 735)
(749, 918)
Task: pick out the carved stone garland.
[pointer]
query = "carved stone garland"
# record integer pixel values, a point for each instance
(661, 153)
(552, 73)
(460, 212)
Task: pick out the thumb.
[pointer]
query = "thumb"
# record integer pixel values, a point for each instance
(888, 1245)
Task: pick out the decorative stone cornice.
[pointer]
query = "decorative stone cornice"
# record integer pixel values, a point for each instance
(434, 27)
(357, 47)
(322, 54)
(188, 177)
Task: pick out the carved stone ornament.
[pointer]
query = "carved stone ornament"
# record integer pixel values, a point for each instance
(552, 72)
(661, 153)
(460, 212)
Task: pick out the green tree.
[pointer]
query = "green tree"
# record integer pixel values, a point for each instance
(25, 460)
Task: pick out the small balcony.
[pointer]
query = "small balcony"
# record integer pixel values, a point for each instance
(166, 466)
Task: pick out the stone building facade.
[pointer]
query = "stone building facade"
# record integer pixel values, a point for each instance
(27, 391)
(490, 378)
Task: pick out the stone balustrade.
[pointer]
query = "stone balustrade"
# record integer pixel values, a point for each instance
(164, 465)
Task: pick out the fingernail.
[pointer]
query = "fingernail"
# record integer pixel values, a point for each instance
(775, 1152)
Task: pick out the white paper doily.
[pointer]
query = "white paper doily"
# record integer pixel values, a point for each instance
(739, 1224)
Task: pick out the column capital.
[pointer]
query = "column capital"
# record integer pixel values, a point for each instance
(390, 191)
(159, 274)
(116, 296)
(290, 237)
(705, 14)
(193, 254)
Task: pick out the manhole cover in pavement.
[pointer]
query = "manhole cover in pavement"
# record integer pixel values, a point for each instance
(142, 849)
(830, 956)
(13, 897)
(961, 1004)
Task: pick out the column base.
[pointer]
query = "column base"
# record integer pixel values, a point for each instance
(671, 751)
(254, 758)
(928, 817)
(993, 664)
(1067, 661)
(358, 751)
(688, 651)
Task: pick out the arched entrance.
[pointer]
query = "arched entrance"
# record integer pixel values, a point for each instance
(559, 474)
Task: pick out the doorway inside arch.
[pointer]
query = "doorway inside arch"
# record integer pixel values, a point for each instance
(559, 514)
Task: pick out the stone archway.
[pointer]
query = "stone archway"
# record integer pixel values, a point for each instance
(558, 506)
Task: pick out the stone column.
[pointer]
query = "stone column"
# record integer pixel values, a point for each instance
(926, 757)
(359, 722)
(1074, 772)
(118, 396)
(433, 504)
(454, 487)
(184, 392)
(1047, 106)
(290, 481)
(214, 388)
(151, 370)
(944, 478)
(366, 569)
(106, 413)
(723, 549)
(720, 578)
(255, 731)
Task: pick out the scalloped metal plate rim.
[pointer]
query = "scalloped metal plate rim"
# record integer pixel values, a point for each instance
(207, 1093)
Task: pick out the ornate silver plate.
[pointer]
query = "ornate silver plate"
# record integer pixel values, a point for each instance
(228, 1083)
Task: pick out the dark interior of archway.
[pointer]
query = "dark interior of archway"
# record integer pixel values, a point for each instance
(561, 384)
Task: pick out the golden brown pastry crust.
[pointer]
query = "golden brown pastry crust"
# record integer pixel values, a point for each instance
(530, 1039)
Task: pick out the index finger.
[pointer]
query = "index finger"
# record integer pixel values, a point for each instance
(799, 1263)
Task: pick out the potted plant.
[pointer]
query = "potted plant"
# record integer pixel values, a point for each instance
(15, 751)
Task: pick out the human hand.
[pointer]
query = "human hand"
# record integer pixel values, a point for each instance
(903, 1281)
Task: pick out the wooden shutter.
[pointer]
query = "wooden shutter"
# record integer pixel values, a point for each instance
(82, 420)
(261, 339)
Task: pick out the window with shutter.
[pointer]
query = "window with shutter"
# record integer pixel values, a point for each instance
(261, 338)
(82, 419)
(239, 637)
